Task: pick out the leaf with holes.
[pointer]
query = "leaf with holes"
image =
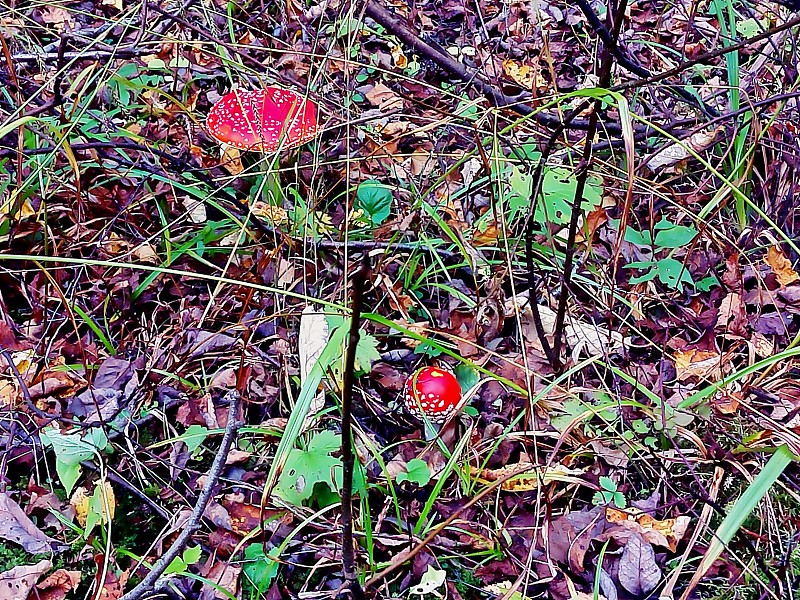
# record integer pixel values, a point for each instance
(305, 468)
(558, 193)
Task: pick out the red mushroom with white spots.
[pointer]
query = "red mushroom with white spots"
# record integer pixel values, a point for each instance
(432, 393)
(265, 120)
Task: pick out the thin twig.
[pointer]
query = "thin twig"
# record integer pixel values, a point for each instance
(352, 586)
(193, 524)
(518, 104)
(582, 176)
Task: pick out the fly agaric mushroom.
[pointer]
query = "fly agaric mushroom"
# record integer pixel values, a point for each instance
(263, 120)
(432, 393)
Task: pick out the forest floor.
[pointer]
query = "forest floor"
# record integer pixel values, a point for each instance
(174, 315)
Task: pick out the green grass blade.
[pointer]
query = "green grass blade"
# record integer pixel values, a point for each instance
(744, 506)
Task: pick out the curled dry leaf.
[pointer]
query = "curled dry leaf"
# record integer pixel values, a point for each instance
(57, 585)
(702, 364)
(581, 337)
(530, 476)
(665, 159)
(666, 533)
(781, 266)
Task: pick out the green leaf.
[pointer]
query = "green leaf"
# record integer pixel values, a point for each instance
(71, 450)
(558, 192)
(608, 484)
(180, 564)
(375, 199)
(467, 376)
(366, 351)
(673, 273)
(305, 468)
(195, 435)
(675, 236)
(261, 568)
(416, 472)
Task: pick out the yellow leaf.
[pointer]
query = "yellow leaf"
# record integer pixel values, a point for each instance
(80, 502)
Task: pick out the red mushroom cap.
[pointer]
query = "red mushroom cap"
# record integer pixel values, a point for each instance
(263, 120)
(432, 392)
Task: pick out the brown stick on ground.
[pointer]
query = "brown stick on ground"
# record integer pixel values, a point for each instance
(518, 104)
(193, 524)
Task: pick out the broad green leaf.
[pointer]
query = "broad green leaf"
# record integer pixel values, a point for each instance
(195, 435)
(416, 472)
(674, 236)
(71, 450)
(305, 468)
(366, 351)
(375, 199)
(261, 568)
(558, 192)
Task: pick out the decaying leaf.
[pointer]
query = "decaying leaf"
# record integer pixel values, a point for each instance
(311, 341)
(16, 526)
(703, 364)
(16, 583)
(57, 585)
(384, 98)
(530, 477)
(781, 266)
(665, 533)
(665, 159)
(581, 337)
(638, 571)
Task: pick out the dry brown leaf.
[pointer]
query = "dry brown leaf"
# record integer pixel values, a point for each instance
(638, 571)
(530, 476)
(665, 159)
(17, 527)
(231, 160)
(58, 17)
(16, 583)
(703, 364)
(384, 98)
(667, 532)
(781, 266)
(581, 337)
(57, 585)
(523, 75)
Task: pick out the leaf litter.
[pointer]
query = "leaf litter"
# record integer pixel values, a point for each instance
(145, 274)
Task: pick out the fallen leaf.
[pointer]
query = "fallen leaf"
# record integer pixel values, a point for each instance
(781, 266)
(384, 98)
(529, 477)
(703, 364)
(15, 526)
(311, 341)
(522, 74)
(638, 571)
(665, 159)
(581, 337)
(57, 585)
(666, 533)
(16, 583)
